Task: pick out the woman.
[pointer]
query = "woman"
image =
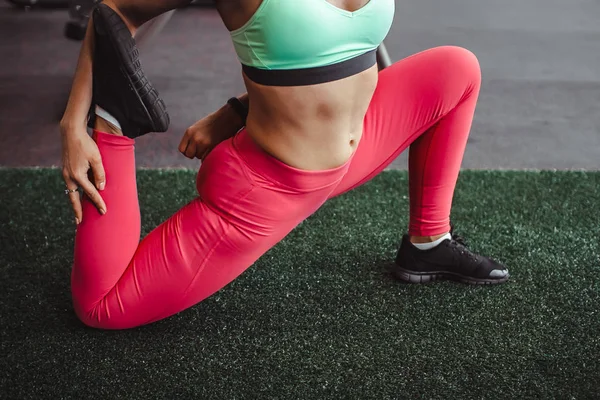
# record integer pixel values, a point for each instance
(321, 121)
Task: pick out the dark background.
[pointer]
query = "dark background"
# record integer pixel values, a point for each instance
(539, 106)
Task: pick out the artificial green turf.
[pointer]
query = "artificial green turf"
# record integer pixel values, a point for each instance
(320, 316)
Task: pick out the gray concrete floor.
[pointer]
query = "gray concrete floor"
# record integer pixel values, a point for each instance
(539, 106)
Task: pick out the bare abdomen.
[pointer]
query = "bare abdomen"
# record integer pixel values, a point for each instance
(311, 127)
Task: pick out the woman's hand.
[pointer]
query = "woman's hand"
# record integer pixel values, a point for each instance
(200, 138)
(79, 155)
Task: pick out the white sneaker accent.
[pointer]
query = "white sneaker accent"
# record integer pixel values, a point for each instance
(431, 245)
(498, 273)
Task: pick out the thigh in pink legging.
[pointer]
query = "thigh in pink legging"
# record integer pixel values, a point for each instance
(248, 201)
(426, 101)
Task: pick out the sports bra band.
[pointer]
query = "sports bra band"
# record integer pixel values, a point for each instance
(311, 76)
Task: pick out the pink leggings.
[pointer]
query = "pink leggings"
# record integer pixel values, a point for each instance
(248, 201)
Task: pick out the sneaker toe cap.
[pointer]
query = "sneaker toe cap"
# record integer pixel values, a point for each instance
(498, 273)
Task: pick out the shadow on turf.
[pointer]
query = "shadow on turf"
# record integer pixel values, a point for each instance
(43, 301)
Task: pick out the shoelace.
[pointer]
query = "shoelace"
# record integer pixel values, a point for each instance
(461, 245)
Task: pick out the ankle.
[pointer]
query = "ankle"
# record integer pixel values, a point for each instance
(104, 126)
(425, 239)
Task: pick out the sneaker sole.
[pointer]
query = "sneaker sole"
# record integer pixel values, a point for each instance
(121, 41)
(420, 277)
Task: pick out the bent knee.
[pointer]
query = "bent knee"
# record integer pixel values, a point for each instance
(98, 317)
(88, 315)
(87, 318)
(461, 61)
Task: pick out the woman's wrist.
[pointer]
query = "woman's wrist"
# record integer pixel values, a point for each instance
(239, 108)
(234, 119)
(68, 124)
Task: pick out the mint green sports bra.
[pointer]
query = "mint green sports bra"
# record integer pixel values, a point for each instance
(301, 42)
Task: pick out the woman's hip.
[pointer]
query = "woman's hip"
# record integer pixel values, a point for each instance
(255, 191)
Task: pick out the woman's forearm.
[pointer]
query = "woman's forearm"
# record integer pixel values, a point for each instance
(80, 99)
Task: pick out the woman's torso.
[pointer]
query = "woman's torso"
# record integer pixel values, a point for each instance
(310, 126)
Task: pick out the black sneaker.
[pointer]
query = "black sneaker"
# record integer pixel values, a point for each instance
(119, 84)
(450, 260)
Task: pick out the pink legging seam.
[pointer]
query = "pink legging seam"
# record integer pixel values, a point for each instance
(206, 257)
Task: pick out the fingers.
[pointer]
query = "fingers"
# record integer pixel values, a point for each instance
(190, 151)
(187, 146)
(88, 188)
(92, 193)
(99, 175)
(74, 198)
(195, 144)
(184, 143)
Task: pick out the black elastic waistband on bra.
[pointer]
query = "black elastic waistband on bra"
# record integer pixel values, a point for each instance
(311, 76)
